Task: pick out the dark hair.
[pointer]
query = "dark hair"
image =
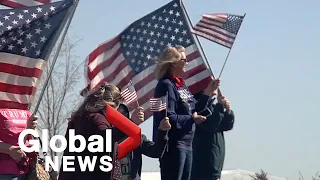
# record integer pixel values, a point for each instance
(125, 109)
(85, 90)
(97, 99)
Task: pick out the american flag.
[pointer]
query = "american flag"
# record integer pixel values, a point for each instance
(131, 55)
(23, 3)
(158, 104)
(27, 36)
(219, 28)
(129, 94)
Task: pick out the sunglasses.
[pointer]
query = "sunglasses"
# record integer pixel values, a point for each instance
(185, 60)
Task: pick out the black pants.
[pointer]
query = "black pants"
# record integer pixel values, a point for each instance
(176, 164)
(11, 177)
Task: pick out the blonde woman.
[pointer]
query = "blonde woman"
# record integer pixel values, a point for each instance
(182, 111)
(90, 119)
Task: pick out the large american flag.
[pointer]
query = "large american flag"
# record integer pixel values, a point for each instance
(220, 28)
(23, 3)
(131, 55)
(27, 36)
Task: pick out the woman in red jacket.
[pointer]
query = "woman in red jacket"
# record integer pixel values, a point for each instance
(90, 119)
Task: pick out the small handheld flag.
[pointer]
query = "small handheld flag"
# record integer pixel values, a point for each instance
(129, 94)
(158, 104)
(220, 28)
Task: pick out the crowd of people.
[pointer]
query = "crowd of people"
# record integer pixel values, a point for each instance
(189, 143)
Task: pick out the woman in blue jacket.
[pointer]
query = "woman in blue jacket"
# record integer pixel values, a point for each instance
(182, 111)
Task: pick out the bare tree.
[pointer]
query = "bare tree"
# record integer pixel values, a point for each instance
(60, 96)
(316, 177)
(260, 176)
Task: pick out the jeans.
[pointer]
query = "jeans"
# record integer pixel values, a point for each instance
(11, 177)
(176, 164)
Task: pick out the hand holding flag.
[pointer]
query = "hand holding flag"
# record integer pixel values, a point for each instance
(212, 87)
(165, 124)
(138, 116)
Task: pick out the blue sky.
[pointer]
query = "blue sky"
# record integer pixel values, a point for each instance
(270, 78)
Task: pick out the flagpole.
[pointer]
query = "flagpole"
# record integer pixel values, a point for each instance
(166, 148)
(166, 114)
(56, 56)
(225, 61)
(197, 39)
(135, 90)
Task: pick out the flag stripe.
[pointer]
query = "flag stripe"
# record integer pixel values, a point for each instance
(215, 18)
(43, 1)
(103, 48)
(16, 98)
(12, 104)
(113, 60)
(211, 37)
(17, 89)
(161, 108)
(19, 70)
(17, 80)
(23, 3)
(206, 25)
(219, 28)
(21, 61)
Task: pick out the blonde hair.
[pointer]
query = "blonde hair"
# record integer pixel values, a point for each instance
(167, 59)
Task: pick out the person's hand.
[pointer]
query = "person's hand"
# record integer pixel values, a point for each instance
(139, 116)
(32, 122)
(224, 101)
(198, 118)
(212, 87)
(16, 153)
(165, 124)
